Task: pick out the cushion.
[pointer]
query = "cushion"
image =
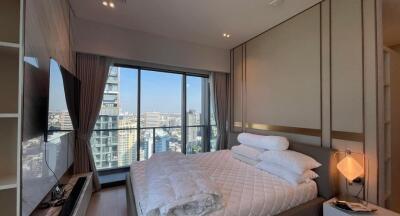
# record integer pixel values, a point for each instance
(294, 161)
(291, 177)
(278, 143)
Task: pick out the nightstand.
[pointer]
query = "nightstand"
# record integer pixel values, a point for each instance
(330, 210)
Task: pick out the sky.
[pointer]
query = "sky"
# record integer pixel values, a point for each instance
(160, 92)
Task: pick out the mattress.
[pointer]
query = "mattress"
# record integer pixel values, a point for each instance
(246, 190)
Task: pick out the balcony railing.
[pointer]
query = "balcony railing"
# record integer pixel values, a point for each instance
(117, 148)
(199, 138)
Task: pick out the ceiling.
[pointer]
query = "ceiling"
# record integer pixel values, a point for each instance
(391, 22)
(198, 21)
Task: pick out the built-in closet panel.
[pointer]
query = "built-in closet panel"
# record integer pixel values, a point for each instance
(237, 88)
(283, 74)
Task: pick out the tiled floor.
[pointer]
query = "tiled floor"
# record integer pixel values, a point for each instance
(108, 202)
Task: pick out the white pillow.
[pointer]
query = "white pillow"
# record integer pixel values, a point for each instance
(247, 151)
(277, 143)
(244, 159)
(289, 176)
(294, 161)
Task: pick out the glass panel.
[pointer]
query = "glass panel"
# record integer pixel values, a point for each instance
(161, 99)
(112, 149)
(168, 139)
(117, 148)
(195, 139)
(146, 143)
(196, 113)
(196, 99)
(161, 105)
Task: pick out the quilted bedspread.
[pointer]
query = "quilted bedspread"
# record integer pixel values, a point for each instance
(245, 189)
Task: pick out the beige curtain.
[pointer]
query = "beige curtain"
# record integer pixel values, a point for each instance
(92, 71)
(219, 88)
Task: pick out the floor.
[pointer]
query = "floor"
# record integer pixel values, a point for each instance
(108, 201)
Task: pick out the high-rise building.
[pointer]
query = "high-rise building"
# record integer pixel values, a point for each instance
(127, 139)
(152, 119)
(105, 142)
(65, 121)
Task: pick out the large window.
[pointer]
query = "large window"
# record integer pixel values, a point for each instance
(149, 111)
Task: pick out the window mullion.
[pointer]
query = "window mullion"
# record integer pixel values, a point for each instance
(138, 115)
(184, 119)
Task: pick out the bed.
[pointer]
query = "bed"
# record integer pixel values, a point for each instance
(249, 191)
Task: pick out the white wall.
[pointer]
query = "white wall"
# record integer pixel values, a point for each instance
(112, 41)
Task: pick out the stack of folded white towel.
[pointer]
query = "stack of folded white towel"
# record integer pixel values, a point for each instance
(252, 146)
(271, 154)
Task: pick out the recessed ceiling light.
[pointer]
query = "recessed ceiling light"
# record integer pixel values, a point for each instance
(112, 4)
(105, 3)
(226, 35)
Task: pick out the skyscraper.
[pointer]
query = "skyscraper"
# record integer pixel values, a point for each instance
(127, 139)
(105, 142)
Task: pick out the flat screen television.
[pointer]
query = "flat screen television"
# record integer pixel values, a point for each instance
(63, 104)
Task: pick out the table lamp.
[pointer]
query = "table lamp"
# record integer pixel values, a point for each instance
(352, 171)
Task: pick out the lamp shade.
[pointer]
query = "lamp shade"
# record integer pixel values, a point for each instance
(350, 168)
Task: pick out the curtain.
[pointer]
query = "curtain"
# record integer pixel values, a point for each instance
(92, 71)
(219, 88)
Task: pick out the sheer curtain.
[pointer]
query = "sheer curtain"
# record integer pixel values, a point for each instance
(220, 95)
(92, 70)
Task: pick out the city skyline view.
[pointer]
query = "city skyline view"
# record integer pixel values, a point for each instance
(160, 118)
(154, 84)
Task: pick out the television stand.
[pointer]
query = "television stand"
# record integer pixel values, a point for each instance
(77, 206)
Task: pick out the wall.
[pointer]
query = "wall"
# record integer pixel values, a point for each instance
(102, 39)
(47, 34)
(313, 78)
(392, 121)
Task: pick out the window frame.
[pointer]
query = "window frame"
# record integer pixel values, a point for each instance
(184, 126)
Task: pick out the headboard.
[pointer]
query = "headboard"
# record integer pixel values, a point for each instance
(328, 176)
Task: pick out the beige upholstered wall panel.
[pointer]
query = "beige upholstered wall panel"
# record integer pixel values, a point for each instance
(237, 87)
(347, 66)
(283, 74)
(325, 74)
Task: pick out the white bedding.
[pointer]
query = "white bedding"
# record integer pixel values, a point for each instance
(246, 190)
(177, 186)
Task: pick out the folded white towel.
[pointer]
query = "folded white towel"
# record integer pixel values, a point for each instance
(276, 143)
(247, 151)
(244, 159)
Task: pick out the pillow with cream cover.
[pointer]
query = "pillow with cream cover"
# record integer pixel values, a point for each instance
(291, 160)
(291, 177)
(276, 143)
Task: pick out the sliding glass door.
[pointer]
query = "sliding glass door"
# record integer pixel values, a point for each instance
(148, 111)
